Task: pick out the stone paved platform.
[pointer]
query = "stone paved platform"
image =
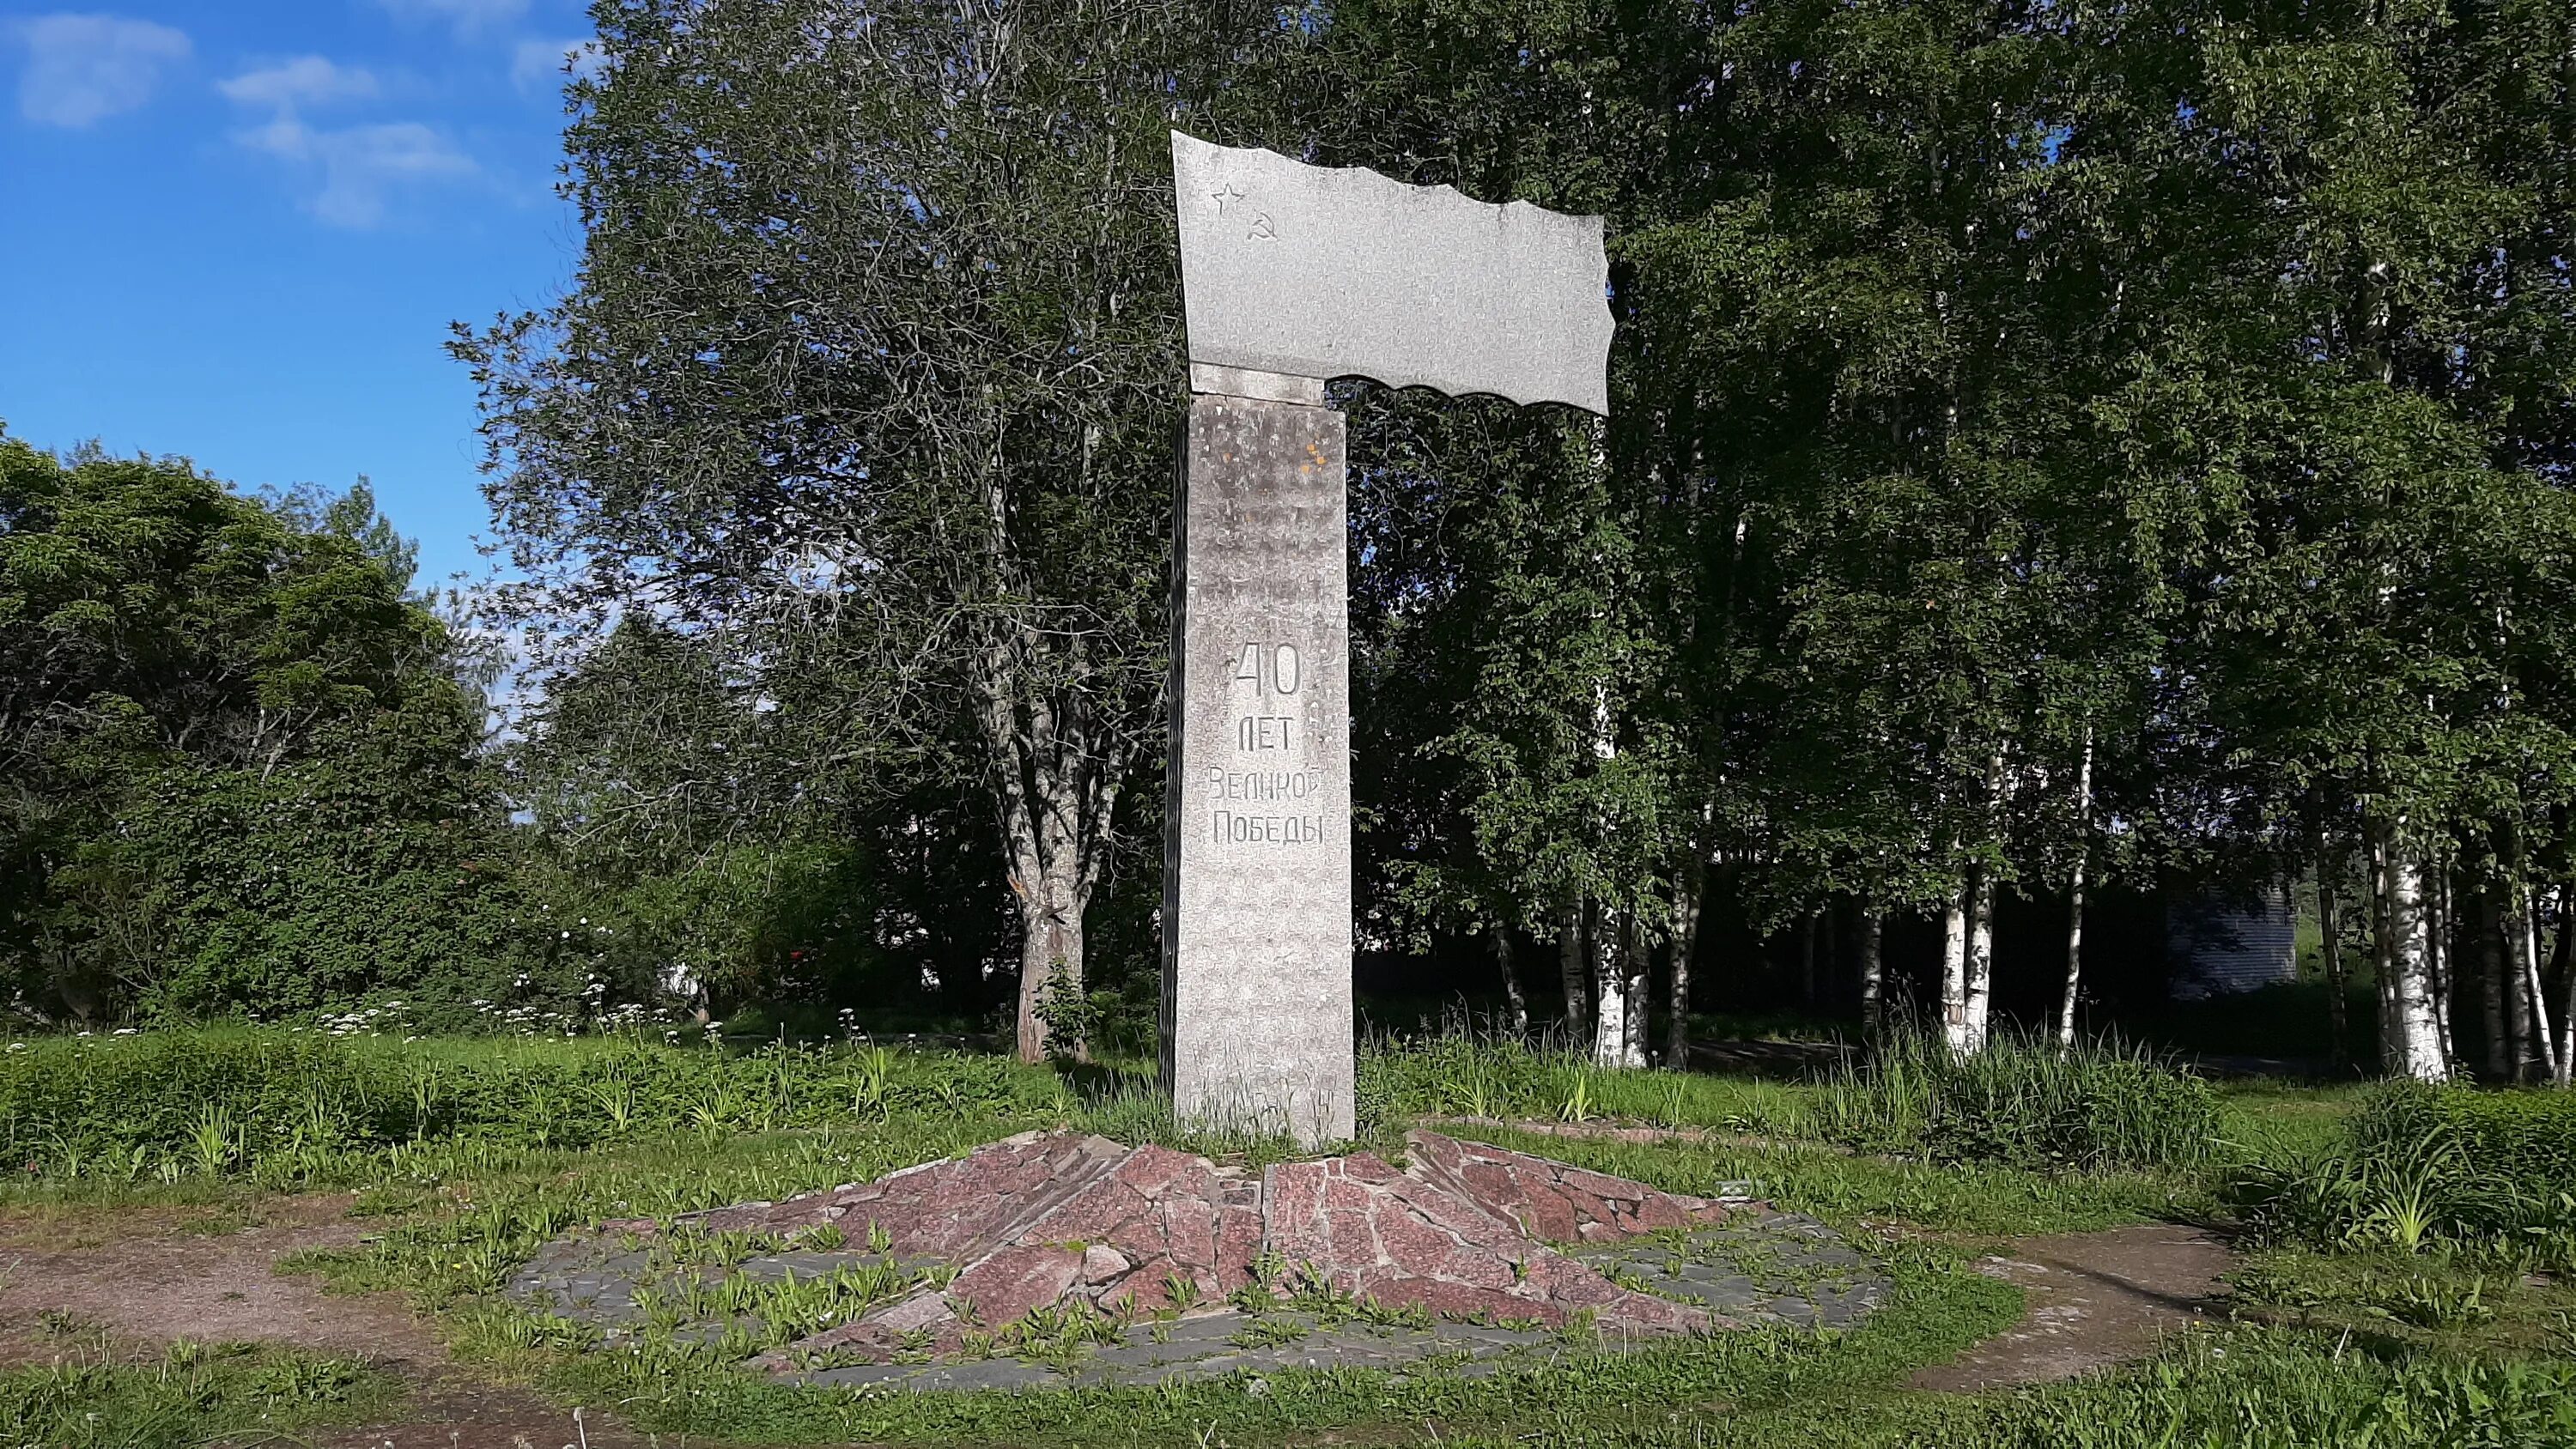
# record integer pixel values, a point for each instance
(1062, 1259)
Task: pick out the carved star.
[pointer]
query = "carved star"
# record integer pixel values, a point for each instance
(1224, 196)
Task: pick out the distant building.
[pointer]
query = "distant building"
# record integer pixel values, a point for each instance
(2216, 946)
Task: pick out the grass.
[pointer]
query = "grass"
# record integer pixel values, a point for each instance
(467, 1156)
(297, 1108)
(89, 1397)
(2023, 1101)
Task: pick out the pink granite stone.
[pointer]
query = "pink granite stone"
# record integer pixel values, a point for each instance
(1012, 1282)
(1238, 1242)
(1614, 1189)
(1037, 1219)
(925, 1309)
(1551, 1218)
(1661, 1211)
(1189, 1227)
(1368, 1167)
(1102, 1264)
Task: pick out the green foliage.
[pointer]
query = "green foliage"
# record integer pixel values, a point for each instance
(291, 1108)
(458, 1210)
(2265, 1390)
(2422, 1168)
(2527, 1138)
(1465, 1073)
(244, 771)
(2024, 1101)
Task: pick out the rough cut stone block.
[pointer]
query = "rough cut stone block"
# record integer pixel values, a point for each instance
(1010, 1284)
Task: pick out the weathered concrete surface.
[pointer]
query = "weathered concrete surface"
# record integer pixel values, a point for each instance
(1319, 273)
(1257, 1028)
(1465, 1234)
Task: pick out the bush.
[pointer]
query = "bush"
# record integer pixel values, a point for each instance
(2422, 1166)
(1462, 1070)
(2526, 1138)
(2022, 1102)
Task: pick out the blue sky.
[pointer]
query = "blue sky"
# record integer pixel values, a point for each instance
(238, 231)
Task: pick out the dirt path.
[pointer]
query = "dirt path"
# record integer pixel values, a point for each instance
(156, 1275)
(146, 1277)
(2096, 1299)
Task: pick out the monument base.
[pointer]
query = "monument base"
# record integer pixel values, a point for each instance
(1066, 1223)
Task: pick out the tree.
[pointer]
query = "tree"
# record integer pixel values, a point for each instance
(242, 774)
(869, 381)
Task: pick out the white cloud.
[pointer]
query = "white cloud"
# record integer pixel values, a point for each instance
(352, 171)
(357, 168)
(469, 17)
(541, 62)
(82, 69)
(307, 79)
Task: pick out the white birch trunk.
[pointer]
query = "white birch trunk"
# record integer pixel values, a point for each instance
(2437, 956)
(1690, 894)
(2538, 1042)
(2383, 948)
(1609, 992)
(1981, 956)
(1873, 974)
(2562, 1056)
(1954, 970)
(2075, 896)
(1515, 1004)
(2417, 1048)
(1575, 973)
(2502, 1051)
(1640, 1005)
(2330, 933)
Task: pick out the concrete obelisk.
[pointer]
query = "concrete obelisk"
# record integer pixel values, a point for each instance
(1293, 274)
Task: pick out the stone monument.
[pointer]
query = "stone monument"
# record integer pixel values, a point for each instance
(1291, 275)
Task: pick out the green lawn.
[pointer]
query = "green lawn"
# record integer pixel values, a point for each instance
(468, 1154)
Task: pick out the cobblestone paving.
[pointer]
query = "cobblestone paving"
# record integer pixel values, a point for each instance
(1760, 1268)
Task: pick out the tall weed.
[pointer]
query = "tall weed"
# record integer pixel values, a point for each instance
(2023, 1101)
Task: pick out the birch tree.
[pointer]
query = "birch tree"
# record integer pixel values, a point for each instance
(870, 370)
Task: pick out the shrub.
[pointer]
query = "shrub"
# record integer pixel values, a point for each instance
(2424, 1165)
